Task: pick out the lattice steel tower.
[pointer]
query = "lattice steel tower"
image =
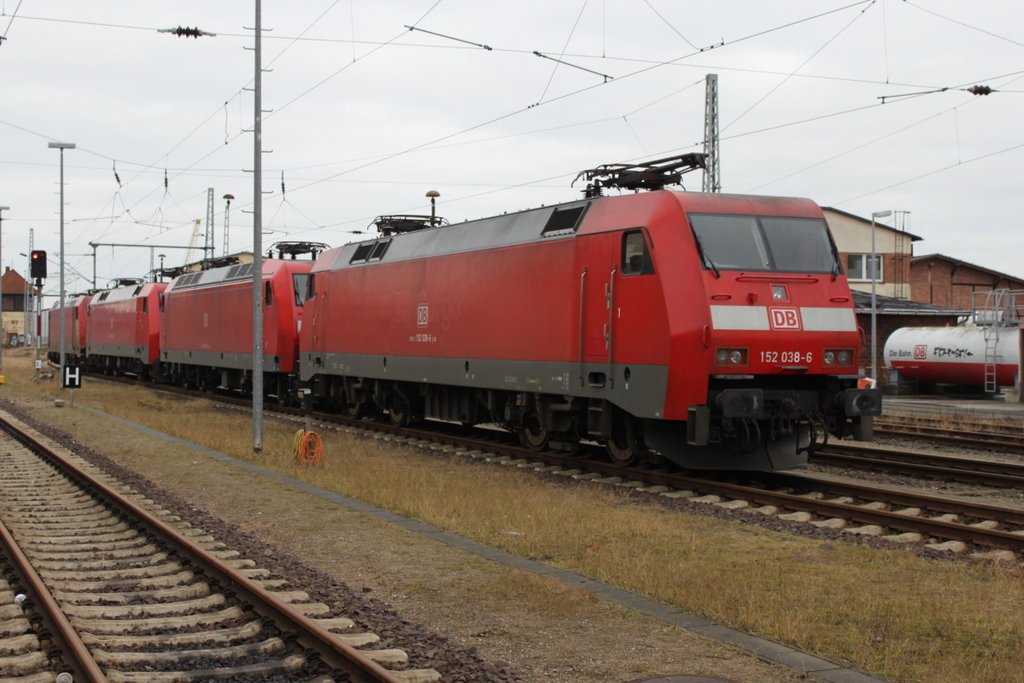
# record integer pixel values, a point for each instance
(208, 242)
(712, 178)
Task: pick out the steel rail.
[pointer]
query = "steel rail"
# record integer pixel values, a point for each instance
(74, 652)
(966, 439)
(309, 634)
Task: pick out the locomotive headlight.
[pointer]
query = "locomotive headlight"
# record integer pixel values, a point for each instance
(779, 293)
(839, 357)
(731, 356)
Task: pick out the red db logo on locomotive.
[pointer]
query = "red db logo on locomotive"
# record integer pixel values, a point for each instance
(784, 318)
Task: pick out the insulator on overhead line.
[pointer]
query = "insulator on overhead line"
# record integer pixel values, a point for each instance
(980, 90)
(186, 32)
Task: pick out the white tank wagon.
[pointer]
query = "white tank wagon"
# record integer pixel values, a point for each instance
(953, 355)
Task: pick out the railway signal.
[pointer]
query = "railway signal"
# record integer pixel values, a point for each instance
(37, 269)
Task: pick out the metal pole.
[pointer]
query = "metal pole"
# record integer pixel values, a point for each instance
(2, 209)
(874, 296)
(27, 305)
(257, 249)
(62, 146)
(227, 211)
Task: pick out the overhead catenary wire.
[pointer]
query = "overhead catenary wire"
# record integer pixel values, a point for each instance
(474, 141)
(9, 23)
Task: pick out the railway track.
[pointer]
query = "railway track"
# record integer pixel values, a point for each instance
(1007, 440)
(100, 584)
(938, 523)
(925, 465)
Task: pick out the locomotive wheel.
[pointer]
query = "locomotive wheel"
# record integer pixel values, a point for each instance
(532, 435)
(398, 413)
(355, 410)
(623, 448)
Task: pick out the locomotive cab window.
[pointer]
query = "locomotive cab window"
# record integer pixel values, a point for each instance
(268, 294)
(310, 287)
(636, 259)
(752, 243)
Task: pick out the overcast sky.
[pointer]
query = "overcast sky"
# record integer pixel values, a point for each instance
(366, 116)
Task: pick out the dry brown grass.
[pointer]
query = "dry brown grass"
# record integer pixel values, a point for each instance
(889, 612)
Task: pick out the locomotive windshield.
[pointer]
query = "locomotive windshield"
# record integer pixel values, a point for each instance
(789, 245)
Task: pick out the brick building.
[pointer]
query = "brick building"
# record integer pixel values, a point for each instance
(16, 293)
(946, 281)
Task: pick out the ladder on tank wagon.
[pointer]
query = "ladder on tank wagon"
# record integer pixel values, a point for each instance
(994, 311)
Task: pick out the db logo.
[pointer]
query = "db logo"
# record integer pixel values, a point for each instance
(784, 318)
(421, 315)
(921, 352)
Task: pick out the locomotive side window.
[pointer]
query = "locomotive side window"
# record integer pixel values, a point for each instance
(564, 221)
(636, 260)
(299, 283)
(311, 287)
(378, 250)
(362, 253)
(268, 294)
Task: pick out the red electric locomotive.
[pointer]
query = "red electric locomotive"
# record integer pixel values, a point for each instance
(75, 329)
(123, 334)
(206, 334)
(716, 331)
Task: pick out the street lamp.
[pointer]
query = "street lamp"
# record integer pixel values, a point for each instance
(874, 295)
(2, 209)
(61, 146)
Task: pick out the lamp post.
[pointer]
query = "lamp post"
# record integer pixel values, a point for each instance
(874, 295)
(61, 146)
(433, 194)
(227, 211)
(2, 209)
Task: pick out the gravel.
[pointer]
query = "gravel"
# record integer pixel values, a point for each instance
(426, 650)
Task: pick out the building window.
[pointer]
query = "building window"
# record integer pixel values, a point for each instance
(859, 267)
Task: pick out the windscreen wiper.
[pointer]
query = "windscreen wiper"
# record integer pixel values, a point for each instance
(704, 255)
